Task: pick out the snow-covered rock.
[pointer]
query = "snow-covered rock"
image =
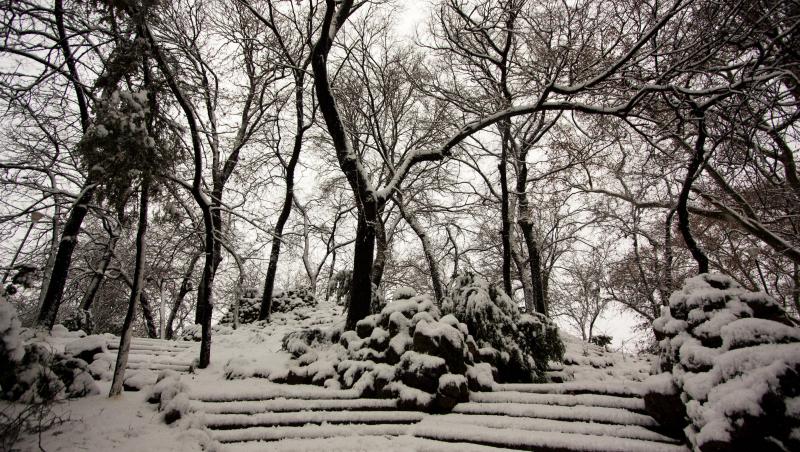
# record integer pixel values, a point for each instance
(87, 347)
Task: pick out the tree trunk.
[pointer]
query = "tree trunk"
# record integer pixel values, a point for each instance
(796, 288)
(505, 230)
(147, 313)
(99, 273)
(361, 283)
(427, 249)
(136, 292)
(51, 258)
(184, 289)
(61, 266)
(381, 248)
(204, 295)
(683, 200)
(535, 263)
(216, 221)
(286, 209)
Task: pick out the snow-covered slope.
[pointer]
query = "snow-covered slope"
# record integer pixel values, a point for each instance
(233, 407)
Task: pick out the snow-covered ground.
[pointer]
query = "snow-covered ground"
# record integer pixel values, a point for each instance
(599, 408)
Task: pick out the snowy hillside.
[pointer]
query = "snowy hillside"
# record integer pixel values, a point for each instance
(231, 406)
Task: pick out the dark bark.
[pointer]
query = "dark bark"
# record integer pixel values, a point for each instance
(668, 279)
(535, 262)
(361, 283)
(286, 209)
(526, 226)
(182, 292)
(796, 287)
(683, 199)
(204, 294)
(505, 220)
(136, 292)
(69, 238)
(144, 300)
(147, 313)
(381, 248)
(427, 249)
(100, 272)
(366, 200)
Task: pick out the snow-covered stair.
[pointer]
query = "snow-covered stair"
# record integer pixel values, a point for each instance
(156, 354)
(245, 414)
(553, 417)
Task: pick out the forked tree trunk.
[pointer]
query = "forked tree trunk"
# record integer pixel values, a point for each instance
(136, 292)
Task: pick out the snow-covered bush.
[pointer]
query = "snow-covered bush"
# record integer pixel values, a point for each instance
(286, 301)
(32, 373)
(11, 348)
(408, 351)
(195, 332)
(292, 299)
(518, 345)
(80, 320)
(732, 358)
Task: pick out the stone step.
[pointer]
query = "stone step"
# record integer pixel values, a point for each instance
(361, 443)
(549, 425)
(152, 348)
(307, 432)
(287, 405)
(144, 358)
(159, 366)
(563, 413)
(539, 441)
(596, 400)
(254, 389)
(299, 418)
(615, 388)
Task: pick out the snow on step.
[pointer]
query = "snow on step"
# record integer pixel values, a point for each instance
(599, 400)
(549, 425)
(307, 431)
(138, 358)
(257, 389)
(158, 366)
(228, 421)
(365, 442)
(614, 388)
(577, 413)
(149, 348)
(286, 405)
(539, 441)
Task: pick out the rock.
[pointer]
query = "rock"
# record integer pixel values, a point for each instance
(87, 347)
(668, 410)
